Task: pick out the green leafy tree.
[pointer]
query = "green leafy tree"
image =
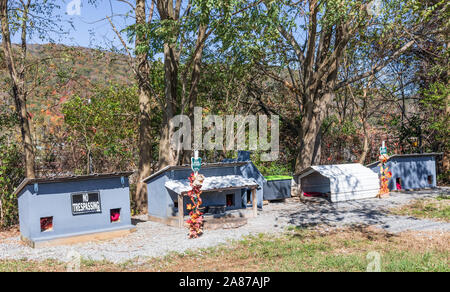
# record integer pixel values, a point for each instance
(105, 124)
(301, 45)
(23, 18)
(181, 33)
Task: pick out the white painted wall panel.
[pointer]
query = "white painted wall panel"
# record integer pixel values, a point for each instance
(343, 181)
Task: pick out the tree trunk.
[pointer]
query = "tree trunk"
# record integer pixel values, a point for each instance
(145, 137)
(446, 155)
(310, 131)
(310, 134)
(1, 212)
(194, 81)
(167, 156)
(362, 112)
(145, 150)
(25, 129)
(166, 151)
(366, 148)
(196, 70)
(19, 92)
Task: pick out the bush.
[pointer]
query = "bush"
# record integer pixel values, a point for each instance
(268, 168)
(103, 128)
(11, 173)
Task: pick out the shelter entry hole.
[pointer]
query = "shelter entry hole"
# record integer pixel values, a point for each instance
(115, 215)
(430, 179)
(398, 183)
(230, 200)
(46, 224)
(249, 197)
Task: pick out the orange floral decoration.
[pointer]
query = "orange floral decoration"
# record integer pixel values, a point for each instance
(195, 220)
(385, 176)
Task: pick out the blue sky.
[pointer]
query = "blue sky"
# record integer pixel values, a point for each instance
(91, 28)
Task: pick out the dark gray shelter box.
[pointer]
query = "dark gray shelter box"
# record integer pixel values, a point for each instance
(163, 201)
(411, 171)
(272, 190)
(52, 198)
(277, 189)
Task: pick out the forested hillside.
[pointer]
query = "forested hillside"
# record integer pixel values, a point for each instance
(59, 74)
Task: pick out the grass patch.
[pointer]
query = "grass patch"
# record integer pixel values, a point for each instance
(24, 265)
(443, 197)
(296, 250)
(277, 177)
(312, 250)
(435, 208)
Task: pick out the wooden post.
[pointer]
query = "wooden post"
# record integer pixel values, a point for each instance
(180, 211)
(254, 203)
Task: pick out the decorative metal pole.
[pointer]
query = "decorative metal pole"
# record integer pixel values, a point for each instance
(385, 174)
(195, 220)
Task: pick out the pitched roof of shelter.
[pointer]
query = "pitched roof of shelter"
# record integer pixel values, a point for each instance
(187, 166)
(406, 155)
(213, 183)
(336, 170)
(52, 179)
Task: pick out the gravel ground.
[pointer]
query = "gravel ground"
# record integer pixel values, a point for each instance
(154, 239)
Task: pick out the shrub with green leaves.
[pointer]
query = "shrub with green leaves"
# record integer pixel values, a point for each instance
(271, 168)
(11, 171)
(104, 128)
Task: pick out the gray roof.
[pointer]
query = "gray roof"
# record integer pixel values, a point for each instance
(29, 181)
(187, 166)
(407, 155)
(336, 170)
(213, 183)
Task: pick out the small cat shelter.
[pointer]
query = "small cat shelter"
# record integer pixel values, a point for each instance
(410, 171)
(339, 182)
(72, 209)
(233, 189)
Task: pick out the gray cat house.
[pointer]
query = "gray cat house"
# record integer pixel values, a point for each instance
(72, 209)
(410, 171)
(230, 190)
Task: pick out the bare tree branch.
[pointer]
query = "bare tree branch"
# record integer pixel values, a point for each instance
(376, 68)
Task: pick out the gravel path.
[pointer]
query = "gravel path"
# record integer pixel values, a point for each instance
(370, 212)
(154, 239)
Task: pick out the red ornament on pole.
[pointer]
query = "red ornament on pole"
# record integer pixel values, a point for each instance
(385, 174)
(196, 217)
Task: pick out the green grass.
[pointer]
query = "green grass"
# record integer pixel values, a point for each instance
(277, 177)
(24, 265)
(306, 250)
(290, 253)
(437, 208)
(443, 197)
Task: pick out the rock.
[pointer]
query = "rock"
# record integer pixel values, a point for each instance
(224, 223)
